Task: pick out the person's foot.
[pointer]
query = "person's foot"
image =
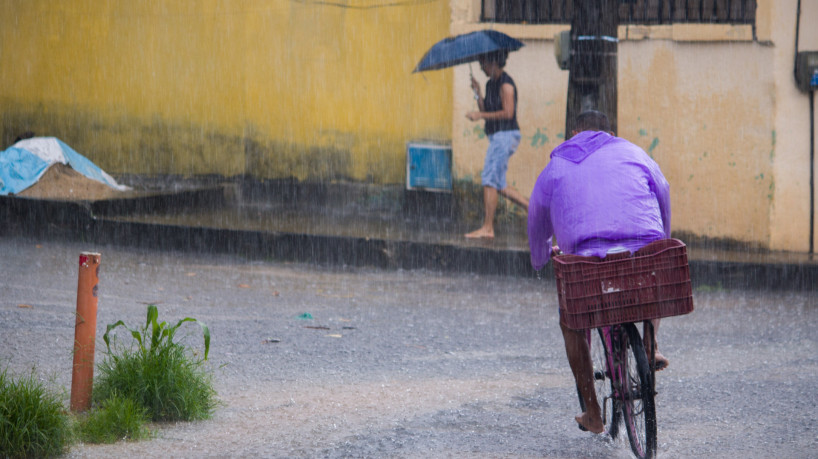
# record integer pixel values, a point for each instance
(661, 362)
(590, 424)
(481, 233)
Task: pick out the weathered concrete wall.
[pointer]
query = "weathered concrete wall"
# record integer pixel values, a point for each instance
(709, 132)
(715, 105)
(323, 91)
(790, 212)
(314, 90)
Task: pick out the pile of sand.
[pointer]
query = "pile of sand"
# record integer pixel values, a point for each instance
(62, 182)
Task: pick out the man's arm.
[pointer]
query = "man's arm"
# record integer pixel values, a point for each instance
(540, 230)
(661, 188)
(506, 113)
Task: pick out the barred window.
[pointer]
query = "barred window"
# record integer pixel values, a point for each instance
(645, 12)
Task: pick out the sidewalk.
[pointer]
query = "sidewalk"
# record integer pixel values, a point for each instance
(280, 224)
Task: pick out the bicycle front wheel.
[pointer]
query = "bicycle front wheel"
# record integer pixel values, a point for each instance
(634, 397)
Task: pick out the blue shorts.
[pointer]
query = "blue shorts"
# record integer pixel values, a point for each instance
(502, 145)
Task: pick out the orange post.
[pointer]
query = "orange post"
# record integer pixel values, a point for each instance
(82, 376)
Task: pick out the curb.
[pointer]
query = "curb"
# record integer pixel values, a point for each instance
(82, 221)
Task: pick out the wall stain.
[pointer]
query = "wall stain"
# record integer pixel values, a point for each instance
(158, 146)
(274, 159)
(476, 131)
(772, 150)
(540, 138)
(653, 144)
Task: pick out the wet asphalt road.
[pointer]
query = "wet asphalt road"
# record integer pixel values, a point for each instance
(412, 363)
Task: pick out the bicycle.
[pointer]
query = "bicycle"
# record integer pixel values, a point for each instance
(611, 295)
(624, 366)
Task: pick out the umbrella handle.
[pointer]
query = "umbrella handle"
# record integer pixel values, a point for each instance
(476, 94)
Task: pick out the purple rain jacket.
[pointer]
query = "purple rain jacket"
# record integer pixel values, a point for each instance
(599, 193)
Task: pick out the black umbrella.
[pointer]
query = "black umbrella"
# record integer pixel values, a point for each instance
(465, 48)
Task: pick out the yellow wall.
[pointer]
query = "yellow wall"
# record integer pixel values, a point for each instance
(716, 106)
(273, 88)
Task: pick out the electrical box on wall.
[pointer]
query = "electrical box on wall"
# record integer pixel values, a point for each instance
(429, 167)
(806, 70)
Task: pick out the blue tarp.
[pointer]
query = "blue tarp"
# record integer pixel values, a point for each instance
(25, 162)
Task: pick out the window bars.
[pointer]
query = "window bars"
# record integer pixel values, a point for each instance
(646, 12)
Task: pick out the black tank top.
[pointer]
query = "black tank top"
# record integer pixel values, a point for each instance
(494, 103)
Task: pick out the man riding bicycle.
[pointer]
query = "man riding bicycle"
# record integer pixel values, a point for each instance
(599, 194)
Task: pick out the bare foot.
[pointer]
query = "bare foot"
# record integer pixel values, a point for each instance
(661, 362)
(481, 233)
(592, 425)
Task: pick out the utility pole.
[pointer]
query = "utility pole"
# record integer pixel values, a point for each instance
(592, 68)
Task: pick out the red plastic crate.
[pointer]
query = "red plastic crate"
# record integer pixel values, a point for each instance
(653, 283)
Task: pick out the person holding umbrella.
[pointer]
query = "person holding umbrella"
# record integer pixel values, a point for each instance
(499, 110)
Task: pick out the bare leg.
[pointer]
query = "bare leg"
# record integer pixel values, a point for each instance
(490, 202)
(579, 357)
(514, 195)
(661, 361)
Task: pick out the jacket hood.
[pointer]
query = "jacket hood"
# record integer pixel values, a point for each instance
(582, 145)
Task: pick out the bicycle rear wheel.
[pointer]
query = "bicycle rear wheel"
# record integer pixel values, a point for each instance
(600, 352)
(633, 392)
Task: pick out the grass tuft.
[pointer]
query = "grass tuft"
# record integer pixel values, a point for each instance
(33, 420)
(159, 374)
(117, 418)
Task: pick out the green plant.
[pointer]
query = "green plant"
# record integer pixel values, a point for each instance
(159, 374)
(33, 420)
(116, 418)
